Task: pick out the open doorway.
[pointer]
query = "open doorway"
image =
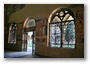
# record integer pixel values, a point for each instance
(29, 35)
(30, 42)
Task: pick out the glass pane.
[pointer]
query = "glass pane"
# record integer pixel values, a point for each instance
(52, 30)
(30, 23)
(70, 18)
(53, 45)
(68, 46)
(70, 33)
(61, 13)
(56, 13)
(66, 11)
(66, 17)
(58, 38)
(55, 35)
(56, 19)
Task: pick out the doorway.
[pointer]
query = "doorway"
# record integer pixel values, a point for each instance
(31, 42)
(28, 43)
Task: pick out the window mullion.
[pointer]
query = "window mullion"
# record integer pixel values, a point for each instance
(55, 34)
(61, 35)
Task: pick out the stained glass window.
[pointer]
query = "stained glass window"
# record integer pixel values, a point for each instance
(62, 29)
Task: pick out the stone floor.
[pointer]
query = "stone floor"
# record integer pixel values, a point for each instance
(30, 56)
(18, 54)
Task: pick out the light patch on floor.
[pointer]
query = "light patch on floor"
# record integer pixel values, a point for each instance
(15, 54)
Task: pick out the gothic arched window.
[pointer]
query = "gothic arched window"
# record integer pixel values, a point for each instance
(12, 33)
(61, 30)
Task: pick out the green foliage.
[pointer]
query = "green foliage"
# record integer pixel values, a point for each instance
(30, 45)
(70, 32)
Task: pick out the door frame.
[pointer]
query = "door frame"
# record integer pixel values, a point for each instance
(24, 42)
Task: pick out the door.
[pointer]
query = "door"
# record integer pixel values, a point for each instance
(33, 43)
(24, 41)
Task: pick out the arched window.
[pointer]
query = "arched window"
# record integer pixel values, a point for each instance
(29, 22)
(12, 33)
(61, 30)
